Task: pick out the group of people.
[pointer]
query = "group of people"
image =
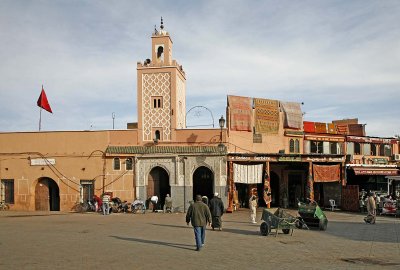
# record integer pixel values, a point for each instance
(202, 213)
(167, 203)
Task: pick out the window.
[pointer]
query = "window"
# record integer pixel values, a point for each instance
(373, 149)
(294, 146)
(117, 164)
(317, 147)
(87, 190)
(157, 102)
(334, 148)
(129, 164)
(160, 53)
(357, 148)
(291, 146)
(387, 150)
(157, 135)
(7, 191)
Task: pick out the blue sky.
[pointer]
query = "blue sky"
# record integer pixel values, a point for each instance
(341, 58)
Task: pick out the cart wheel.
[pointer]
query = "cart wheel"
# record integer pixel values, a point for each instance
(79, 208)
(323, 224)
(264, 229)
(286, 231)
(298, 224)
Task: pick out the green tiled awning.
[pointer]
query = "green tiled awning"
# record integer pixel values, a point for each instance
(130, 150)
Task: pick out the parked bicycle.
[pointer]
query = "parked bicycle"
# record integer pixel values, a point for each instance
(138, 206)
(4, 206)
(81, 207)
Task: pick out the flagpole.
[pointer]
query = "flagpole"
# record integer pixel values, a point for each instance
(40, 119)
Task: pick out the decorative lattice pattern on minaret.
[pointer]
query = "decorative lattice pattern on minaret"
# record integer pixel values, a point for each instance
(181, 103)
(156, 84)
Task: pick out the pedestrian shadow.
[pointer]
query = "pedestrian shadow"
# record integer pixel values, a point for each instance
(379, 232)
(239, 231)
(229, 230)
(170, 225)
(232, 221)
(154, 242)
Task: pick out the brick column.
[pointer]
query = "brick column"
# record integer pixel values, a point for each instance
(267, 186)
(230, 184)
(310, 182)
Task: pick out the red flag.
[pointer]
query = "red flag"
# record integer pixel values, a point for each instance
(43, 102)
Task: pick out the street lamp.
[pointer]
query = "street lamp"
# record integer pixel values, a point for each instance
(221, 146)
(221, 125)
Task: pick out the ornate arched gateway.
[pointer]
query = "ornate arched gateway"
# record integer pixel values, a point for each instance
(47, 195)
(158, 184)
(203, 182)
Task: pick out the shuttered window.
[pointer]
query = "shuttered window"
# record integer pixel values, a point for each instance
(7, 191)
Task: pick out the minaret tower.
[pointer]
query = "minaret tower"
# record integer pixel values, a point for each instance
(161, 92)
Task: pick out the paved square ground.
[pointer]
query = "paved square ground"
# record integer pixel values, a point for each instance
(43, 240)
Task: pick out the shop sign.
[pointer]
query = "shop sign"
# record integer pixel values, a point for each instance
(324, 159)
(380, 161)
(290, 159)
(325, 139)
(358, 171)
(262, 158)
(43, 161)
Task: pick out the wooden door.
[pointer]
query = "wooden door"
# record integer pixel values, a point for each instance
(42, 196)
(153, 185)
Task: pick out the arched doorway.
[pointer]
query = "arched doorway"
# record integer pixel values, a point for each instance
(274, 184)
(203, 182)
(158, 184)
(47, 195)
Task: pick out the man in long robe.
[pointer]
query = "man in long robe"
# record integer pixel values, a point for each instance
(217, 210)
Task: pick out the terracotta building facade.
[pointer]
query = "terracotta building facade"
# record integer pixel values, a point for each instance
(265, 148)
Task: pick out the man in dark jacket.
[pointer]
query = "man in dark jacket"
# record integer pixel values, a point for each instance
(199, 214)
(217, 210)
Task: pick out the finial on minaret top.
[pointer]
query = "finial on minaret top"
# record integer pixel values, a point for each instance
(162, 24)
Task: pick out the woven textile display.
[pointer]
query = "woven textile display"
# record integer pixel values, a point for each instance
(326, 173)
(267, 115)
(247, 174)
(240, 113)
(320, 127)
(293, 114)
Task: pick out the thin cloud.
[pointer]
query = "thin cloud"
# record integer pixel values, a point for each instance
(342, 59)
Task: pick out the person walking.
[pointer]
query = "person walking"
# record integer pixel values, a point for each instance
(253, 207)
(217, 210)
(199, 215)
(106, 204)
(371, 208)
